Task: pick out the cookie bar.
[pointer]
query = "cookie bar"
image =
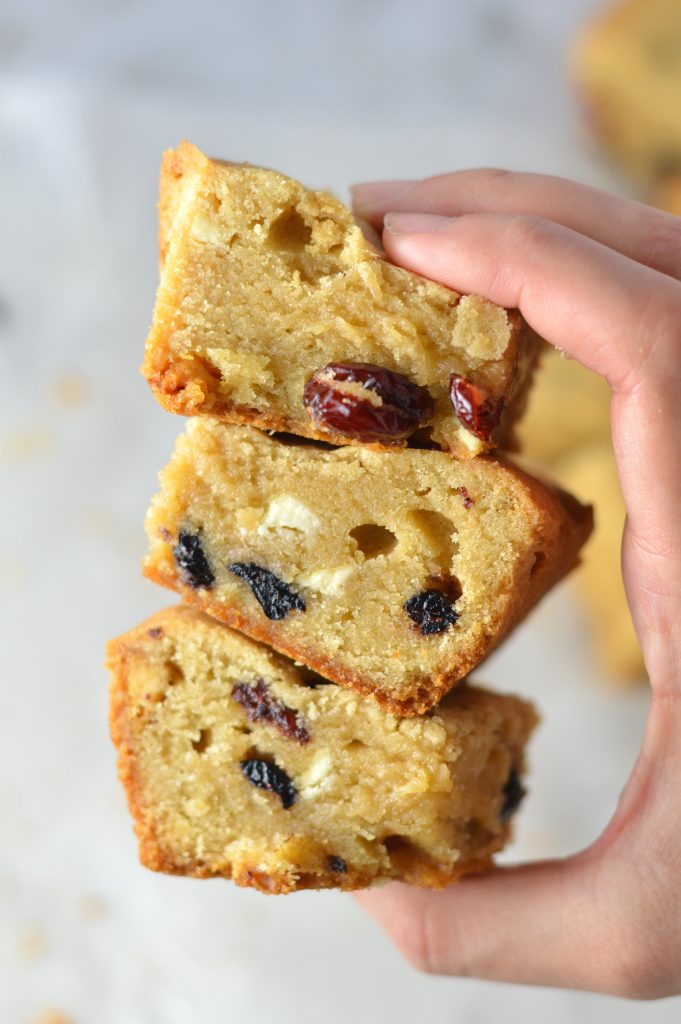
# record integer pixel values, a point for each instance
(591, 469)
(239, 764)
(568, 405)
(628, 66)
(669, 195)
(275, 310)
(577, 451)
(391, 573)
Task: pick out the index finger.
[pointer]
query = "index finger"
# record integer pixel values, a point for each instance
(620, 319)
(649, 236)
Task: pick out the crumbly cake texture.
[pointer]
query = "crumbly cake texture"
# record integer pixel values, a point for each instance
(392, 573)
(265, 282)
(357, 795)
(628, 66)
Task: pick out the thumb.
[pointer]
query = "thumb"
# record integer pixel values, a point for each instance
(540, 924)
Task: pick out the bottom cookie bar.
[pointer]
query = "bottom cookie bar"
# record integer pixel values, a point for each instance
(240, 764)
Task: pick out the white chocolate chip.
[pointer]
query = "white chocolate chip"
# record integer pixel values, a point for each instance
(317, 775)
(326, 581)
(288, 513)
(203, 231)
(471, 442)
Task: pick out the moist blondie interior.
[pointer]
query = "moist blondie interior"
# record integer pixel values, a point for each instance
(264, 283)
(239, 764)
(392, 573)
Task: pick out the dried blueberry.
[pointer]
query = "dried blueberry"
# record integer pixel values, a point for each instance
(191, 561)
(274, 596)
(513, 793)
(336, 864)
(261, 706)
(268, 775)
(477, 411)
(383, 406)
(432, 611)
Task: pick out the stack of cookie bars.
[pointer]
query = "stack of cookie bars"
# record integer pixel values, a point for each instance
(332, 500)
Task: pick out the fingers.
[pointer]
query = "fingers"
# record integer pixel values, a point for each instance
(607, 920)
(621, 320)
(593, 303)
(543, 924)
(579, 924)
(646, 235)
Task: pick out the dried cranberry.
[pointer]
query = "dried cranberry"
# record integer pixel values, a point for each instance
(477, 411)
(191, 561)
(403, 405)
(274, 596)
(467, 500)
(261, 706)
(155, 632)
(268, 775)
(432, 612)
(513, 793)
(336, 864)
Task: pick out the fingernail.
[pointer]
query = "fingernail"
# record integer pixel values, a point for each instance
(415, 223)
(378, 193)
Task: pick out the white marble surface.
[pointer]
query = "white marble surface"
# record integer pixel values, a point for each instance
(90, 93)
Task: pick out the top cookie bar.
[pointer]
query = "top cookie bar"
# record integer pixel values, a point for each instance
(275, 310)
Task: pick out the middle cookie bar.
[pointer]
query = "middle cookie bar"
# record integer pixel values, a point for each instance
(393, 574)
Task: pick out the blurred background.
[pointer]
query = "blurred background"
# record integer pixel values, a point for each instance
(333, 92)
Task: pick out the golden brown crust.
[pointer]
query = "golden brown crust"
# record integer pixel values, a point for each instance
(570, 525)
(188, 384)
(127, 721)
(187, 388)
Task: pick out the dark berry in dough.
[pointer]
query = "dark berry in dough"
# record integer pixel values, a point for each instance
(191, 561)
(432, 612)
(262, 706)
(274, 596)
(268, 775)
(513, 793)
(403, 405)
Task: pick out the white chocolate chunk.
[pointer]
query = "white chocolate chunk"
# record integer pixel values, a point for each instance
(285, 512)
(327, 581)
(203, 231)
(317, 775)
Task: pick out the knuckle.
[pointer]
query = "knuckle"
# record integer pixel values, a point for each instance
(652, 355)
(525, 229)
(494, 175)
(417, 936)
(662, 247)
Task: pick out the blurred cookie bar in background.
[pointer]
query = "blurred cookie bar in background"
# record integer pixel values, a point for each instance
(627, 64)
(669, 194)
(566, 430)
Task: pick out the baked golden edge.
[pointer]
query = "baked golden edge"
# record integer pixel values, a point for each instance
(153, 856)
(186, 387)
(571, 524)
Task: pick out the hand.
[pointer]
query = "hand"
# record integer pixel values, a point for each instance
(600, 278)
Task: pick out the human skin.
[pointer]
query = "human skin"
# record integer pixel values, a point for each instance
(600, 278)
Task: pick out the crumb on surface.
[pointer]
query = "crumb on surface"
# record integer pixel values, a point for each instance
(31, 943)
(51, 1016)
(69, 390)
